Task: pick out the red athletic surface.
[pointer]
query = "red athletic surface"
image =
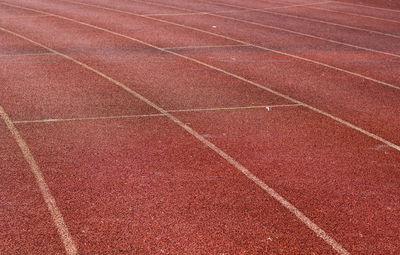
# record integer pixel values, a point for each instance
(129, 181)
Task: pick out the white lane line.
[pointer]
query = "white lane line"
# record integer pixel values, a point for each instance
(172, 14)
(207, 46)
(86, 118)
(23, 16)
(58, 219)
(27, 54)
(237, 108)
(311, 225)
(366, 6)
(355, 14)
(346, 123)
(245, 43)
(152, 115)
(291, 6)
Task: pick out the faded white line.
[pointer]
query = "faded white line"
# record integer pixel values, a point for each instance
(58, 219)
(236, 108)
(206, 46)
(311, 225)
(172, 14)
(291, 6)
(151, 115)
(23, 16)
(86, 118)
(27, 54)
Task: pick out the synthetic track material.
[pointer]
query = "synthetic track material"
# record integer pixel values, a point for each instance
(141, 185)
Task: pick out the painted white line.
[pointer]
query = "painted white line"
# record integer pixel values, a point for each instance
(86, 118)
(311, 225)
(366, 6)
(346, 123)
(355, 14)
(291, 6)
(23, 16)
(27, 54)
(58, 220)
(172, 14)
(152, 115)
(254, 45)
(207, 46)
(236, 108)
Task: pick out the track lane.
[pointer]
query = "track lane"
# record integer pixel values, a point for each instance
(35, 80)
(150, 188)
(353, 181)
(365, 104)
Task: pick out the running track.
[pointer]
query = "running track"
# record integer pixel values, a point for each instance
(199, 127)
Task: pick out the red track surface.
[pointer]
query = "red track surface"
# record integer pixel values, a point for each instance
(123, 133)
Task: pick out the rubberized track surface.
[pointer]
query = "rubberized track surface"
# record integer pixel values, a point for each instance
(199, 127)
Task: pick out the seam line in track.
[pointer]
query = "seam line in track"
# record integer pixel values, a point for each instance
(56, 215)
(206, 46)
(308, 19)
(172, 14)
(346, 123)
(155, 114)
(291, 6)
(300, 216)
(23, 16)
(27, 54)
(248, 44)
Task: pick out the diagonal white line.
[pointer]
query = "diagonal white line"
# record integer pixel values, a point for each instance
(154, 114)
(58, 219)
